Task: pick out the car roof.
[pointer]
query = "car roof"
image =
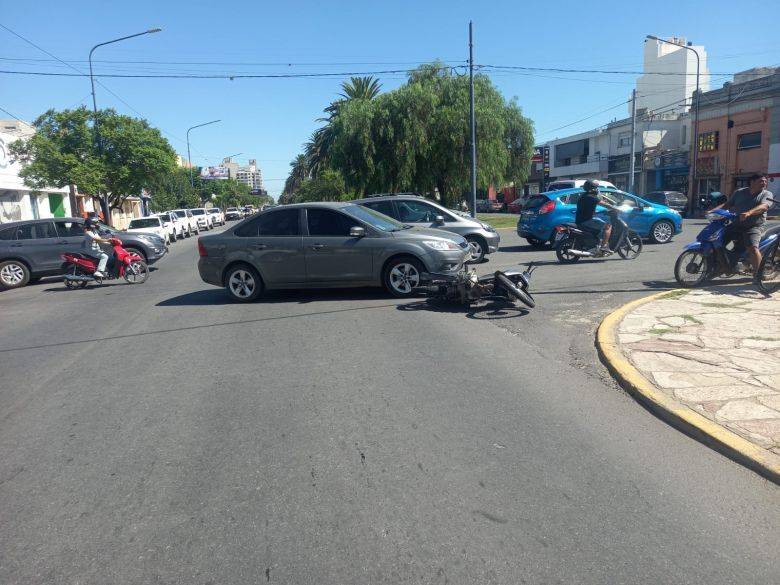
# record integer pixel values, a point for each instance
(324, 204)
(41, 220)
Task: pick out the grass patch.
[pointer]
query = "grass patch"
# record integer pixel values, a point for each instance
(675, 294)
(725, 305)
(762, 338)
(499, 220)
(692, 319)
(661, 330)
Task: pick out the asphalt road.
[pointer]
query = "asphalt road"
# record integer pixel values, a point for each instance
(161, 434)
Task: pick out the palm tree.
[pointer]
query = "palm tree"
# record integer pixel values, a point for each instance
(299, 172)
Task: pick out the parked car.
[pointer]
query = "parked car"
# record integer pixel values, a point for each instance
(324, 245)
(495, 206)
(149, 225)
(191, 225)
(516, 206)
(674, 199)
(30, 250)
(182, 224)
(575, 184)
(482, 206)
(232, 214)
(421, 212)
(217, 217)
(203, 218)
(544, 212)
(169, 223)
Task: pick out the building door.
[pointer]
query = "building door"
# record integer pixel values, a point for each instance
(56, 205)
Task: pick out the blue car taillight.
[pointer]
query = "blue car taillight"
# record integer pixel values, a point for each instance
(547, 207)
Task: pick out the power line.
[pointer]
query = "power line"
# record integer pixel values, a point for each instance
(10, 114)
(606, 71)
(583, 119)
(238, 63)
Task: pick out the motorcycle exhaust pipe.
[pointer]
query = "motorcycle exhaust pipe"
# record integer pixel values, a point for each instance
(77, 278)
(581, 253)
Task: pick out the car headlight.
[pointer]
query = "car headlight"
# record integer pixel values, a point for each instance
(441, 244)
(487, 227)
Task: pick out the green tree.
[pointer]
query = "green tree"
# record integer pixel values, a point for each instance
(328, 186)
(130, 157)
(173, 191)
(299, 172)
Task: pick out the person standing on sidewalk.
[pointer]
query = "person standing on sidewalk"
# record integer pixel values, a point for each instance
(751, 204)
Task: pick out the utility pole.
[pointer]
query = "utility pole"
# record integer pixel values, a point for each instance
(632, 159)
(473, 124)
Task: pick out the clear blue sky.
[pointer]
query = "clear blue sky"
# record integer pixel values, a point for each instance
(270, 119)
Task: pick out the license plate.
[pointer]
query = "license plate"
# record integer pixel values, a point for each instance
(558, 236)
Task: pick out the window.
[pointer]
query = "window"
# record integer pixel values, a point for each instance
(325, 222)
(416, 212)
(373, 218)
(280, 223)
(748, 141)
(708, 141)
(8, 234)
(385, 207)
(35, 231)
(70, 229)
(624, 140)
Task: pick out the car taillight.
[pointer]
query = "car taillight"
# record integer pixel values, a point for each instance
(547, 207)
(202, 249)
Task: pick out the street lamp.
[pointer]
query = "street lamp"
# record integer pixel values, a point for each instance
(693, 188)
(189, 157)
(94, 101)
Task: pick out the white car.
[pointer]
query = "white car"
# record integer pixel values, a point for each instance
(216, 215)
(190, 222)
(169, 223)
(204, 219)
(181, 223)
(232, 213)
(149, 225)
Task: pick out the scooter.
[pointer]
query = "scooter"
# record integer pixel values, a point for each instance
(79, 269)
(708, 257)
(572, 242)
(466, 287)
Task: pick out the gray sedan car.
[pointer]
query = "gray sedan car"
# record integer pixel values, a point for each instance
(421, 212)
(325, 245)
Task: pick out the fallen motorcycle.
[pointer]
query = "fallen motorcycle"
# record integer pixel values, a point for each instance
(79, 269)
(466, 287)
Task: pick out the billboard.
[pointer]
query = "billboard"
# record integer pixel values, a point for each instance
(538, 155)
(214, 173)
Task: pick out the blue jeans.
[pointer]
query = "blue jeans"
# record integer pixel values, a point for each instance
(594, 224)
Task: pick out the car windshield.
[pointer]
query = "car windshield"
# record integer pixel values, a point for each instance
(231, 209)
(197, 211)
(144, 223)
(559, 186)
(214, 210)
(165, 217)
(373, 218)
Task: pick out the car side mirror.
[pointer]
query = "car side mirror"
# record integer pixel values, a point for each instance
(438, 220)
(357, 232)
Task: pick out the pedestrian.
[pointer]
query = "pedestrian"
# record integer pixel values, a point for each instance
(751, 204)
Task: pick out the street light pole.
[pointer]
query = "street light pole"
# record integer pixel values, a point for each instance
(694, 188)
(107, 210)
(472, 124)
(189, 157)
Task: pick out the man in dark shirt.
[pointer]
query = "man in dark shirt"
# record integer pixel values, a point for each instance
(586, 208)
(750, 204)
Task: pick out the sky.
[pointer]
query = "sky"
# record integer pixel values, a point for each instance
(270, 119)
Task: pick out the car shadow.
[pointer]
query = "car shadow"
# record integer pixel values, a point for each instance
(218, 296)
(486, 310)
(524, 248)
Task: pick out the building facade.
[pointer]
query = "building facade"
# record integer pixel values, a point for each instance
(739, 134)
(17, 200)
(581, 156)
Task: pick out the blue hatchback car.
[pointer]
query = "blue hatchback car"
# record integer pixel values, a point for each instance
(544, 212)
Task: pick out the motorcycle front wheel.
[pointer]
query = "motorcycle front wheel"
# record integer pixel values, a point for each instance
(515, 291)
(691, 269)
(563, 252)
(631, 246)
(137, 272)
(768, 275)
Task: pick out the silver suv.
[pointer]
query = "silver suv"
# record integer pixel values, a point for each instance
(325, 245)
(421, 212)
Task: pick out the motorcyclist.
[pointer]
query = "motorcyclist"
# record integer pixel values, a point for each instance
(91, 245)
(586, 209)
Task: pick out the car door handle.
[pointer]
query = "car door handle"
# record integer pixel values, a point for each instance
(317, 246)
(16, 245)
(259, 246)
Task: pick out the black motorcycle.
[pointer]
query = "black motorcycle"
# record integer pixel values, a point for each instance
(572, 242)
(466, 287)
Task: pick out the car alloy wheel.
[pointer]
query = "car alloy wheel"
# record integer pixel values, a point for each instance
(404, 277)
(662, 232)
(13, 274)
(476, 250)
(244, 284)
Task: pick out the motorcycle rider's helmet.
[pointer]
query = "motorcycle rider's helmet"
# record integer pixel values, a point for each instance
(90, 222)
(590, 186)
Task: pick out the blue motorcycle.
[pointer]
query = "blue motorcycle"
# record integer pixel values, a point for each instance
(709, 257)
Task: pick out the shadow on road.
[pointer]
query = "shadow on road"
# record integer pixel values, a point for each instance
(218, 296)
(490, 310)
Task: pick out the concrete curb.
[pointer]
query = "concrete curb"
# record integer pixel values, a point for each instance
(690, 422)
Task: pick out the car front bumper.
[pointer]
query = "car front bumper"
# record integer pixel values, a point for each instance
(493, 239)
(445, 262)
